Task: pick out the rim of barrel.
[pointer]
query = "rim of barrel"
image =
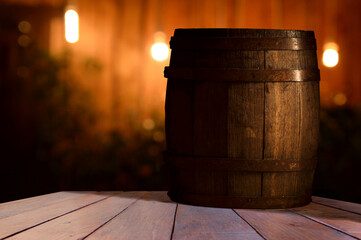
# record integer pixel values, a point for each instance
(242, 32)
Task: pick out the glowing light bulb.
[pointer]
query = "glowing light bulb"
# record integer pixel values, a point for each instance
(330, 55)
(71, 26)
(160, 51)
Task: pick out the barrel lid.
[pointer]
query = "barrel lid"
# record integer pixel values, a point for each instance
(242, 33)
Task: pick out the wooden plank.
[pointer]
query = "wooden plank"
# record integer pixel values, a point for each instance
(245, 120)
(23, 205)
(209, 136)
(346, 222)
(284, 224)
(347, 206)
(282, 126)
(203, 182)
(151, 217)
(229, 59)
(178, 119)
(282, 121)
(18, 221)
(210, 223)
(210, 119)
(245, 184)
(291, 132)
(304, 59)
(245, 133)
(182, 58)
(309, 123)
(81, 223)
(287, 183)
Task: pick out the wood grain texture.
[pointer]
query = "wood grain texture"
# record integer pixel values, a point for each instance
(242, 75)
(245, 120)
(200, 181)
(239, 32)
(287, 184)
(282, 224)
(282, 121)
(226, 43)
(186, 58)
(81, 223)
(309, 137)
(347, 206)
(346, 222)
(288, 33)
(291, 132)
(210, 223)
(19, 206)
(210, 118)
(39, 211)
(304, 59)
(151, 217)
(245, 135)
(282, 130)
(228, 59)
(244, 184)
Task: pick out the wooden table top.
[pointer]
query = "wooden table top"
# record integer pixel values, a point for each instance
(151, 215)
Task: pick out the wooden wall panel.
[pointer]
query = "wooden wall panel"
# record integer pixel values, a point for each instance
(349, 37)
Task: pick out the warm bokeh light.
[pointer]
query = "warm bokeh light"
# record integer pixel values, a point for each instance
(71, 26)
(330, 55)
(24, 40)
(340, 99)
(24, 26)
(160, 51)
(158, 136)
(148, 124)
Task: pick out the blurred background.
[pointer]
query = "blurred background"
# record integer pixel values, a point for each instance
(82, 90)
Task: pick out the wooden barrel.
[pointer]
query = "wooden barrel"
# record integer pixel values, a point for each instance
(242, 117)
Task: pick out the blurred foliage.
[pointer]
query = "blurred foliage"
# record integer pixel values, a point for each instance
(339, 166)
(63, 149)
(80, 157)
